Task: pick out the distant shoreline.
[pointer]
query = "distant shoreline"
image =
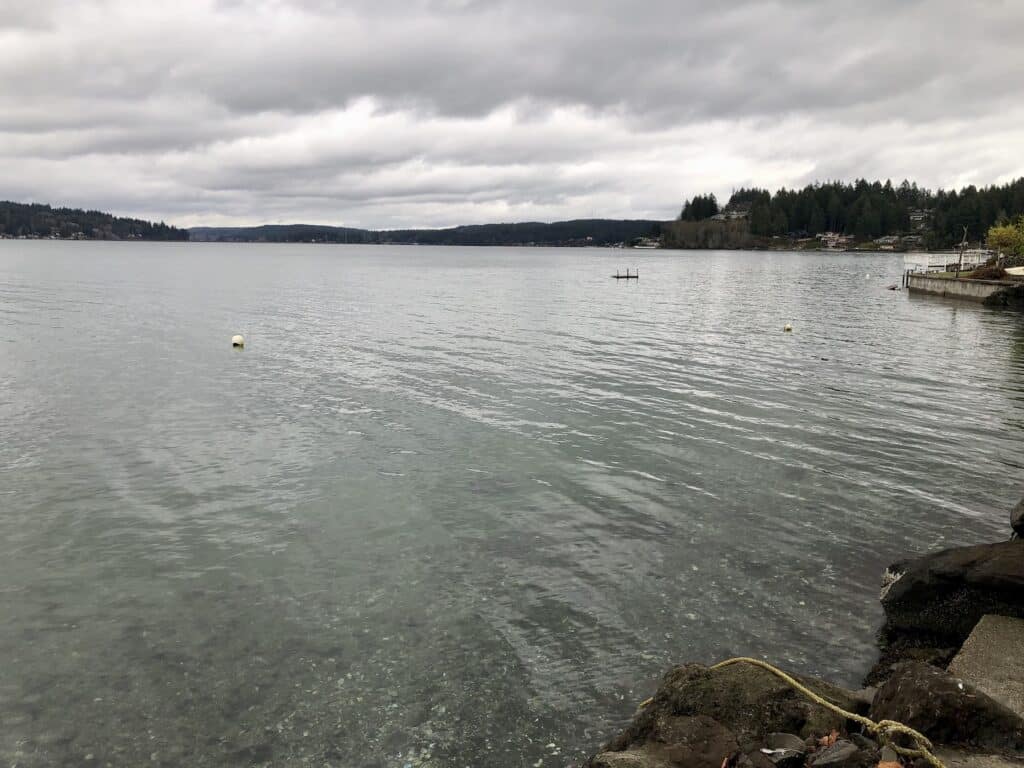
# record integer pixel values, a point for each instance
(787, 247)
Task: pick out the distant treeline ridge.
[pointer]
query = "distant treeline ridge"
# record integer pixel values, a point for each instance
(577, 232)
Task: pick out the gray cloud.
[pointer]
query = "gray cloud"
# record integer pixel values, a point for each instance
(390, 113)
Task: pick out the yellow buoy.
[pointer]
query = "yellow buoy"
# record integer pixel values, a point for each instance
(238, 341)
(788, 328)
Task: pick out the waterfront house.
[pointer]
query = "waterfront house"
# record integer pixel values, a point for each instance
(919, 217)
(835, 240)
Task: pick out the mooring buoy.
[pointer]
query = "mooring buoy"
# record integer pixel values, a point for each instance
(788, 328)
(238, 340)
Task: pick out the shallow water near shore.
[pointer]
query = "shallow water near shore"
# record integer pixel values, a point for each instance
(459, 507)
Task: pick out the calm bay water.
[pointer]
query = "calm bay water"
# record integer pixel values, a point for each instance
(459, 507)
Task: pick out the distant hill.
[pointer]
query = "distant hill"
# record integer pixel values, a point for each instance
(34, 220)
(579, 232)
(282, 233)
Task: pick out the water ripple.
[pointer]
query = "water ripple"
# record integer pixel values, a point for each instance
(459, 503)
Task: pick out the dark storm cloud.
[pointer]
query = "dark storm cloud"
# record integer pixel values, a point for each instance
(390, 111)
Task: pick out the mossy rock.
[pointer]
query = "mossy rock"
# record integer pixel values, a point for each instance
(749, 701)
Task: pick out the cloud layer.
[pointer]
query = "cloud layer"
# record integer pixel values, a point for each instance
(437, 112)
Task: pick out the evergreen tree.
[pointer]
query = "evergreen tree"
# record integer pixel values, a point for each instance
(780, 222)
(761, 218)
(815, 219)
(868, 221)
(701, 207)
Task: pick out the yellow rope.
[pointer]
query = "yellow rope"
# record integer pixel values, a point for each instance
(884, 731)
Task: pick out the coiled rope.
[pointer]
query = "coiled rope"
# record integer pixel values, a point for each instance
(884, 731)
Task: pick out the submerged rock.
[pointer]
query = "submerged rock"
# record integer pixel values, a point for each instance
(946, 709)
(938, 599)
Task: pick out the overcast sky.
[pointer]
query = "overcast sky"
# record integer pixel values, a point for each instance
(386, 113)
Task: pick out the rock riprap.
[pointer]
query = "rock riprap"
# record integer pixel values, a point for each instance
(699, 716)
(946, 709)
(940, 597)
(740, 715)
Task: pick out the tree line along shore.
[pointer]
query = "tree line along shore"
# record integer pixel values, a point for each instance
(36, 221)
(832, 215)
(870, 215)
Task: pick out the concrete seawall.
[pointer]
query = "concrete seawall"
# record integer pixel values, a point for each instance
(971, 290)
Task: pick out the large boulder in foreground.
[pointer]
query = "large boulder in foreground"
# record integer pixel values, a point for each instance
(946, 709)
(940, 597)
(697, 712)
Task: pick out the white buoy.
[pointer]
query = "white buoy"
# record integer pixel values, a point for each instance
(238, 340)
(788, 328)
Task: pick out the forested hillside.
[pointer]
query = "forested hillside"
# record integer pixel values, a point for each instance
(36, 220)
(867, 210)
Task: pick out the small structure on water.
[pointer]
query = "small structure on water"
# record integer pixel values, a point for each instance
(634, 276)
